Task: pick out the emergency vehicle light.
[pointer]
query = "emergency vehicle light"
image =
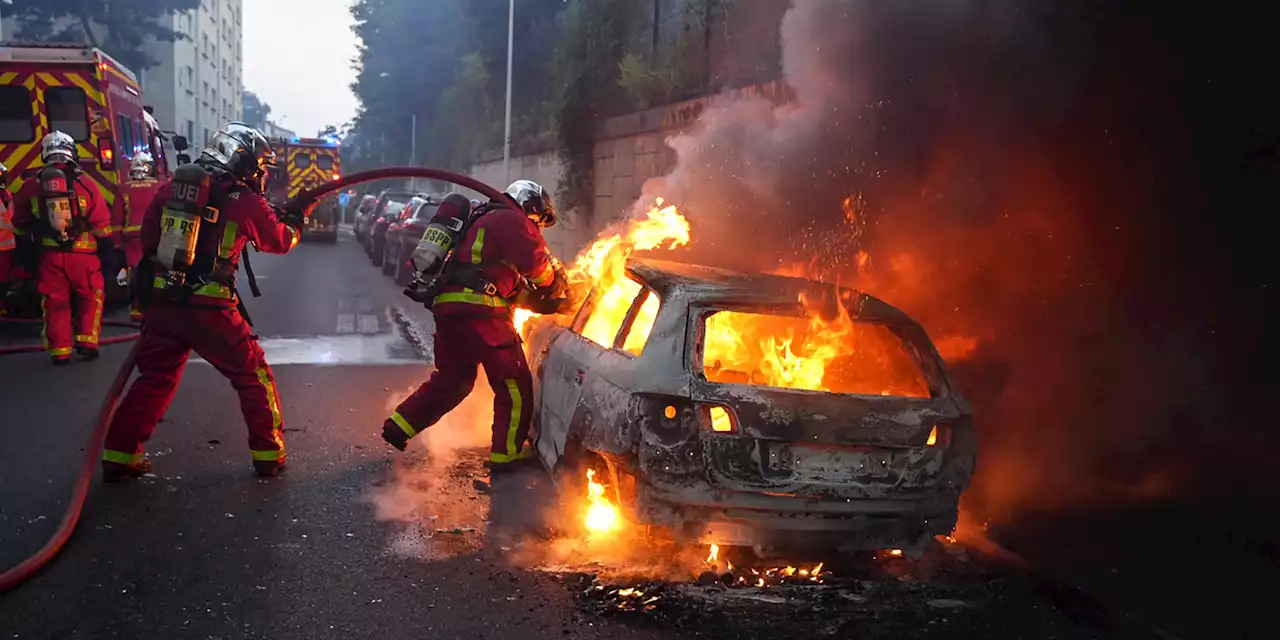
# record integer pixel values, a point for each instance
(108, 158)
(337, 176)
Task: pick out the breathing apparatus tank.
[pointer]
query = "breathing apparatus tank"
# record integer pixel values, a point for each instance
(187, 209)
(59, 202)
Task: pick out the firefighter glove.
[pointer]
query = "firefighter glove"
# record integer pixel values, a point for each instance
(297, 211)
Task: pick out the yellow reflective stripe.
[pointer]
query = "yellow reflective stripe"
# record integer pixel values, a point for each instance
(267, 456)
(472, 298)
(403, 424)
(228, 239)
(510, 457)
(132, 228)
(208, 289)
(478, 247)
(85, 241)
(517, 404)
(61, 351)
(543, 277)
(99, 299)
(274, 400)
(121, 457)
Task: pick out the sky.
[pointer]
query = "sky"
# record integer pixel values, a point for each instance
(297, 58)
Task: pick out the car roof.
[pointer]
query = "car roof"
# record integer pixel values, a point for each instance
(711, 285)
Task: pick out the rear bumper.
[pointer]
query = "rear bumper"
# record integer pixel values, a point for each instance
(695, 511)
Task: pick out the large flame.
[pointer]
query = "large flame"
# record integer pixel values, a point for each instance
(602, 516)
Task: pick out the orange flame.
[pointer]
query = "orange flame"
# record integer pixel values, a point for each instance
(602, 516)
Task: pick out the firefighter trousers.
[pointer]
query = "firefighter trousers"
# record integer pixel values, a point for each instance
(65, 278)
(461, 344)
(132, 256)
(224, 340)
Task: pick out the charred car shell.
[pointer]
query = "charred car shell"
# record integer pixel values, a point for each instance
(800, 468)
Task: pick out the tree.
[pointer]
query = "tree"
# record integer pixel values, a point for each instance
(122, 29)
(256, 112)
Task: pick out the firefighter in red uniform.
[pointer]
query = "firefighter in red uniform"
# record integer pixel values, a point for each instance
(482, 259)
(66, 213)
(8, 240)
(193, 235)
(141, 190)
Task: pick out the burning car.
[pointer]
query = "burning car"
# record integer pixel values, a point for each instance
(752, 409)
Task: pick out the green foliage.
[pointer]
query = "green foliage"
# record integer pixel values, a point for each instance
(256, 112)
(121, 29)
(592, 45)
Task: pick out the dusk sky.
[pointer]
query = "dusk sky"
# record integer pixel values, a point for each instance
(297, 57)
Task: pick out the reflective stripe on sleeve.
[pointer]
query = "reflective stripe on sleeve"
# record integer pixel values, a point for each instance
(403, 424)
(472, 298)
(544, 276)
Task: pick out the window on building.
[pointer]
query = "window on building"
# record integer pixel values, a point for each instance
(205, 95)
(206, 135)
(68, 111)
(190, 23)
(206, 45)
(191, 132)
(191, 77)
(17, 118)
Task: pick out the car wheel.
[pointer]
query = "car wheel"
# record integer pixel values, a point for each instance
(388, 260)
(376, 254)
(403, 274)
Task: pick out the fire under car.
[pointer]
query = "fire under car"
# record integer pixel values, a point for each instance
(753, 410)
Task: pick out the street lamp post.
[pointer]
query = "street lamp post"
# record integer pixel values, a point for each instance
(506, 138)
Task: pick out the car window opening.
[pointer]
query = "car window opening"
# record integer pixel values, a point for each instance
(794, 352)
(17, 118)
(609, 312)
(637, 335)
(324, 162)
(68, 111)
(302, 161)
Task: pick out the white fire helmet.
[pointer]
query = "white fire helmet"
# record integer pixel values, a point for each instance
(142, 166)
(57, 147)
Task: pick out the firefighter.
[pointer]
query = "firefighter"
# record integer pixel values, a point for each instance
(141, 189)
(193, 236)
(8, 240)
(496, 252)
(65, 212)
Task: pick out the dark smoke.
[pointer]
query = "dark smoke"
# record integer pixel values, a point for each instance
(1024, 174)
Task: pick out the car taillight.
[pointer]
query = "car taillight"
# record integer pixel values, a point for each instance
(939, 436)
(719, 419)
(336, 176)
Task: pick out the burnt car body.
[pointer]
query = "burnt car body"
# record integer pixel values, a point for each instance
(402, 238)
(792, 468)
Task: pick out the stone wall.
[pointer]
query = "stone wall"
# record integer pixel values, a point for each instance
(629, 150)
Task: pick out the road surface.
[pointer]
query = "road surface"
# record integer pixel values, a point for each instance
(356, 540)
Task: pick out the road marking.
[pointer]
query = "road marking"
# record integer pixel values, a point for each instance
(389, 349)
(368, 324)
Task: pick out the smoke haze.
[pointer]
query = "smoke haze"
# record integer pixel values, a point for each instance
(1010, 185)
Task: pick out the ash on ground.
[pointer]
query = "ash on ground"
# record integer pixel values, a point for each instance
(947, 594)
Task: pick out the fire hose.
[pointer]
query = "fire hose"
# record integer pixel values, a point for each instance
(36, 348)
(23, 571)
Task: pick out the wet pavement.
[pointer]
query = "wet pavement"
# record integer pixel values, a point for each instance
(355, 540)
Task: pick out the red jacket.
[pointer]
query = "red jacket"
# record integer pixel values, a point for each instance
(26, 206)
(132, 208)
(508, 246)
(244, 218)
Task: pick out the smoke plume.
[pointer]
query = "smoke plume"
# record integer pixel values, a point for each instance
(414, 492)
(989, 159)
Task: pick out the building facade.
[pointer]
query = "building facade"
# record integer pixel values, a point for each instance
(198, 84)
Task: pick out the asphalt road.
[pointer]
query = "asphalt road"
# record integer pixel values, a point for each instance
(358, 541)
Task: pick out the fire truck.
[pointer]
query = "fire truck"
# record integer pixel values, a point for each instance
(304, 163)
(86, 94)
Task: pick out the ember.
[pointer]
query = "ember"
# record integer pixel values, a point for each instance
(757, 576)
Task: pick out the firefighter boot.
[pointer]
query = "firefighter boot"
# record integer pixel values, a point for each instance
(394, 435)
(87, 353)
(113, 472)
(59, 361)
(267, 468)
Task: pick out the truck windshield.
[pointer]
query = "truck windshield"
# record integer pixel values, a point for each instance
(17, 120)
(67, 111)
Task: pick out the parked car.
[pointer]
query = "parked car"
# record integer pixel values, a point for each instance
(360, 224)
(378, 233)
(366, 221)
(663, 385)
(403, 236)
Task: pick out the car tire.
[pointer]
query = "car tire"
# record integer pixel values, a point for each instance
(388, 261)
(403, 274)
(375, 254)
